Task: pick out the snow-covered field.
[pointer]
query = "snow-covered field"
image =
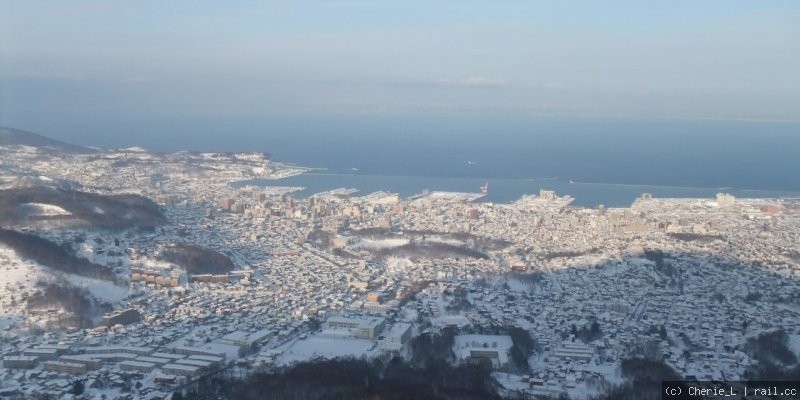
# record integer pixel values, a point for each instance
(42, 210)
(499, 342)
(327, 347)
(442, 240)
(466, 344)
(371, 244)
(380, 244)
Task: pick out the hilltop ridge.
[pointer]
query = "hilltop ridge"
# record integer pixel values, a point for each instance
(18, 137)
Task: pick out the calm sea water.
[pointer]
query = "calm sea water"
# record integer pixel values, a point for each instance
(406, 155)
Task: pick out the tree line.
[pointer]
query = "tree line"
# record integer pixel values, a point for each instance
(197, 260)
(351, 379)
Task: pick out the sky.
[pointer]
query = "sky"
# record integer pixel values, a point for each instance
(78, 63)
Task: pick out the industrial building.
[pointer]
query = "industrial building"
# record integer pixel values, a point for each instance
(364, 328)
(42, 354)
(137, 366)
(19, 362)
(65, 367)
(397, 336)
(89, 362)
(123, 317)
(138, 350)
(180, 370)
(189, 351)
(574, 351)
(237, 338)
(213, 360)
(158, 361)
(195, 363)
(725, 200)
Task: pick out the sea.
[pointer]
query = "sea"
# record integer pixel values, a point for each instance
(606, 161)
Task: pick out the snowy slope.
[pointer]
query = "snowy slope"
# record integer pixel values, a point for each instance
(39, 210)
(19, 277)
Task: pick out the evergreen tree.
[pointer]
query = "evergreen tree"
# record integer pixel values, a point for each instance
(77, 388)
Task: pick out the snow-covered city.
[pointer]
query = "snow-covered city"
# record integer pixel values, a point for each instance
(126, 274)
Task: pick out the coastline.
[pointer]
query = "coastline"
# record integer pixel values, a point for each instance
(501, 191)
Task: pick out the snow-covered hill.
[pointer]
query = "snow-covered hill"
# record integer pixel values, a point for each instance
(21, 278)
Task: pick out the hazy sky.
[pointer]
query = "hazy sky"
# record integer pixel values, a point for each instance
(113, 61)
